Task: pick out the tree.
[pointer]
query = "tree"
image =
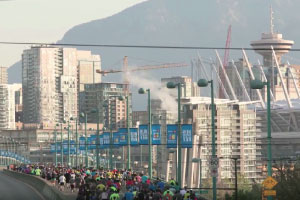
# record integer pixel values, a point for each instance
(253, 194)
(288, 177)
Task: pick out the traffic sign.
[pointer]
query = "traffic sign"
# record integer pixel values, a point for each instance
(269, 182)
(269, 192)
(214, 172)
(214, 162)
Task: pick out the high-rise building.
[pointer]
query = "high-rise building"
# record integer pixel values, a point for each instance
(238, 71)
(7, 106)
(97, 95)
(3, 75)
(18, 103)
(51, 82)
(87, 66)
(236, 135)
(187, 85)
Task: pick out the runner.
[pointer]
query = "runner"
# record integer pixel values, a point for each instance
(62, 182)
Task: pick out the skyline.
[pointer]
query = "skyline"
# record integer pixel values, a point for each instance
(35, 29)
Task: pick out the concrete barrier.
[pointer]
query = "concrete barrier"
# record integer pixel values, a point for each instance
(48, 191)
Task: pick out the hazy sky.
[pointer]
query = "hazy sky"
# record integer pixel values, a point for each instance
(48, 20)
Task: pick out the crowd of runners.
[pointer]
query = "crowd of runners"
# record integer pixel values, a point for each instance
(91, 184)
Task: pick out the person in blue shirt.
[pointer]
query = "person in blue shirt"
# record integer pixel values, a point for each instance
(144, 179)
(129, 195)
(161, 185)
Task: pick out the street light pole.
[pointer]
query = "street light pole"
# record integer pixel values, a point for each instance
(97, 143)
(128, 134)
(257, 84)
(69, 145)
(204, 83)
(61, 145)
(77, 145)
(179, 134)
(142, 91)
(86, 142)
(55, 140)
(110, 137)
(150, 133)
(236, 178)
(171, 85)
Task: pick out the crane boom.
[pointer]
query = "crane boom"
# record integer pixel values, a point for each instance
(146, 67)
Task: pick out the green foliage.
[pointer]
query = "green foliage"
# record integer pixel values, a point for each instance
(252, 194)
(288, 177)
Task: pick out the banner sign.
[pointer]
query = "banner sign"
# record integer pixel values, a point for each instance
(187, 136)
(52, 148)
(58, 147)
(133, 136)
(172, 135)
(123, 136)
(106, 140)
(116, 139)
(101, 144)
(156, 134)
(143, 133)
(73, 146)
(92, 142)
(65, 146)
(82, 143)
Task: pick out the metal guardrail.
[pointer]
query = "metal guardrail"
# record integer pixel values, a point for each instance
(47, 191)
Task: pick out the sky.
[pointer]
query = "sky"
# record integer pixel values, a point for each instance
(47, 20)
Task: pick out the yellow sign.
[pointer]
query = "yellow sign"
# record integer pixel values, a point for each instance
(269, 192)
(269, 182)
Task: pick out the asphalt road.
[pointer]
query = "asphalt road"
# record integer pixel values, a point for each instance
(12, 189)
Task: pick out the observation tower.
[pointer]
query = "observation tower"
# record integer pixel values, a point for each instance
(263, 46)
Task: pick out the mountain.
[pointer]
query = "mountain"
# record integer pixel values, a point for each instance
(181, 23)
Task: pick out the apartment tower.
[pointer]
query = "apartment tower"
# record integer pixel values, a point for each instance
(51, 82)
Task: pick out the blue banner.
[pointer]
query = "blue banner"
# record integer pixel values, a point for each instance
(65, 146)
(123, 136)
(172, 135)
(82, 143)
(187, 136)
(73, 146)
(92, 142)
(156, 134)
(52, 148)
(101, 142)
(116, 139)
(133, 136)
(106, 140)
(58, 147)
(143, 133)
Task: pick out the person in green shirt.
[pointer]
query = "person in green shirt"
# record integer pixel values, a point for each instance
(187, 195)
(172, 182)
(37, 172)
(114, 196)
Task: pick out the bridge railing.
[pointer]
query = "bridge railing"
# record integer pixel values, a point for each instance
(48, 191)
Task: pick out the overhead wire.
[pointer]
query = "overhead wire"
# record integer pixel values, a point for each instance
(142, 46)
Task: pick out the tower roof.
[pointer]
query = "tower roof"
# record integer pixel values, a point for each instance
(271, 39)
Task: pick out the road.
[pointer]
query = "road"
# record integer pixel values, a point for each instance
(12, 189)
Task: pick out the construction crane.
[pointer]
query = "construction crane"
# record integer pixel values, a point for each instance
(142, 68)
(227, 46)
(225, 60)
